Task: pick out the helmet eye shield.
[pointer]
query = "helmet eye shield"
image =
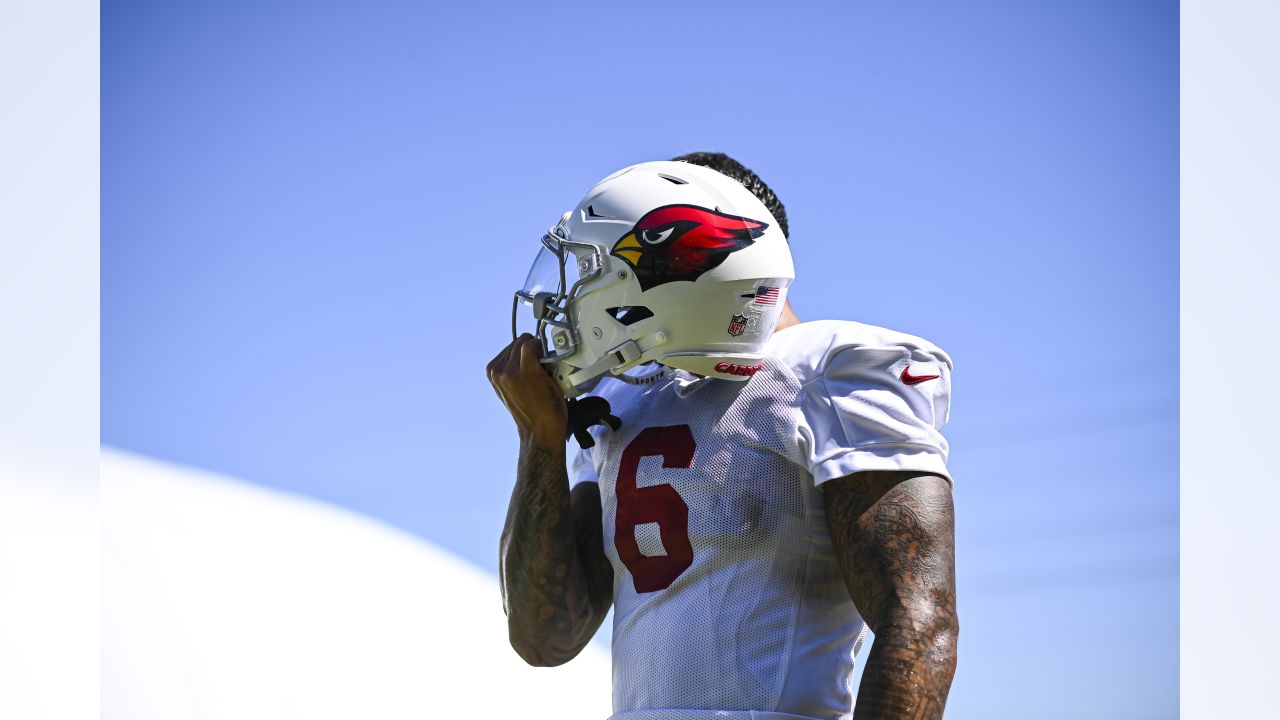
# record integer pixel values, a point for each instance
(544, 275)
(553, 282)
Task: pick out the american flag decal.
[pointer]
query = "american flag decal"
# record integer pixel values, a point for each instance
(766, 295)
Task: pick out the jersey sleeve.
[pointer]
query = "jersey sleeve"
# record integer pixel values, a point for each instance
(876, 408)
(582, 467)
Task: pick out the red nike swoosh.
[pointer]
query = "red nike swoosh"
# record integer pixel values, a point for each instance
(910, 379)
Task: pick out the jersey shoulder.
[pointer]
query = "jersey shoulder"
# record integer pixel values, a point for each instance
(811, 348)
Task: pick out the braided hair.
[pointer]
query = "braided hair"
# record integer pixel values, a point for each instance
(726, 165)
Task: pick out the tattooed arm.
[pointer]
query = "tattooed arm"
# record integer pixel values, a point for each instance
(894, 534)
(557, 583)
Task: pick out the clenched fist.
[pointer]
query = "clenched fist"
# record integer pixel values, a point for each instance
(531, 395)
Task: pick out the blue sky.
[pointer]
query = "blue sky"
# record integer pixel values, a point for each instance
(313, 216)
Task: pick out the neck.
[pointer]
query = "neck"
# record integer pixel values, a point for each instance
(787, 318)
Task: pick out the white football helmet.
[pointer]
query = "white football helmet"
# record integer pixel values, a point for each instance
(665, 262)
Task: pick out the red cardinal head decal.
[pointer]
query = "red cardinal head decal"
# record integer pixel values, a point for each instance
(680, 242)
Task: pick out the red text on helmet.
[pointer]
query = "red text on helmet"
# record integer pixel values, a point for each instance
(735, 369)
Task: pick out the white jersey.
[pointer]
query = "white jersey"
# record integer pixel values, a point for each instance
(728, 598)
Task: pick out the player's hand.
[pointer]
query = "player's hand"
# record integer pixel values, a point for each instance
(531, 395)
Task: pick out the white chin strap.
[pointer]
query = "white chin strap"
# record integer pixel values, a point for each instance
(620, 359)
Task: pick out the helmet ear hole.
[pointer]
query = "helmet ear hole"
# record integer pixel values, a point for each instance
(630, 315)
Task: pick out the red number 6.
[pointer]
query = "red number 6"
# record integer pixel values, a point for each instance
(659, 504)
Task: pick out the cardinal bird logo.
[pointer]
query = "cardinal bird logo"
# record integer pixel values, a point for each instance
(681, 242)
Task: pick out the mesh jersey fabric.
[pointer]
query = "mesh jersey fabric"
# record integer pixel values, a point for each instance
(728, 597)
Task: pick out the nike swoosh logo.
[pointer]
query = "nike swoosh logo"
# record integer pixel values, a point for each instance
(910, 379)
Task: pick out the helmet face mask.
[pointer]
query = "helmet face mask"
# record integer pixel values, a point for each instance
(553, 282)
(665, 262)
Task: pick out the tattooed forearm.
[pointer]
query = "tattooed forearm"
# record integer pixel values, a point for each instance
(894, 533)
(552, 588)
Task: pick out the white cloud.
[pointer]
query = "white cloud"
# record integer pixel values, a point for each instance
(226, 600)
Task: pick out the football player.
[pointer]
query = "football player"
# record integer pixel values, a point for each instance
(758, 491)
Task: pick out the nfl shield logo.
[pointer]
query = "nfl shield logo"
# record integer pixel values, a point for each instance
(737, 324)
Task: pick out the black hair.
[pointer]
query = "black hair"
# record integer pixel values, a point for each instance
(726, 165)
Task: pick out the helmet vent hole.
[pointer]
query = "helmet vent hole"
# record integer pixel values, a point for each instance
(591, 212)
(672, 179)
(630, 315)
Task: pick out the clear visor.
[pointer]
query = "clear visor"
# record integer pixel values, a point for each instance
(544, 274)
(541, 306)
(540, 303)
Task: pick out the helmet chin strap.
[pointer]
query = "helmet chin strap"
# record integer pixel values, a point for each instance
(594, 410)
(649, 379)
(620, 359)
